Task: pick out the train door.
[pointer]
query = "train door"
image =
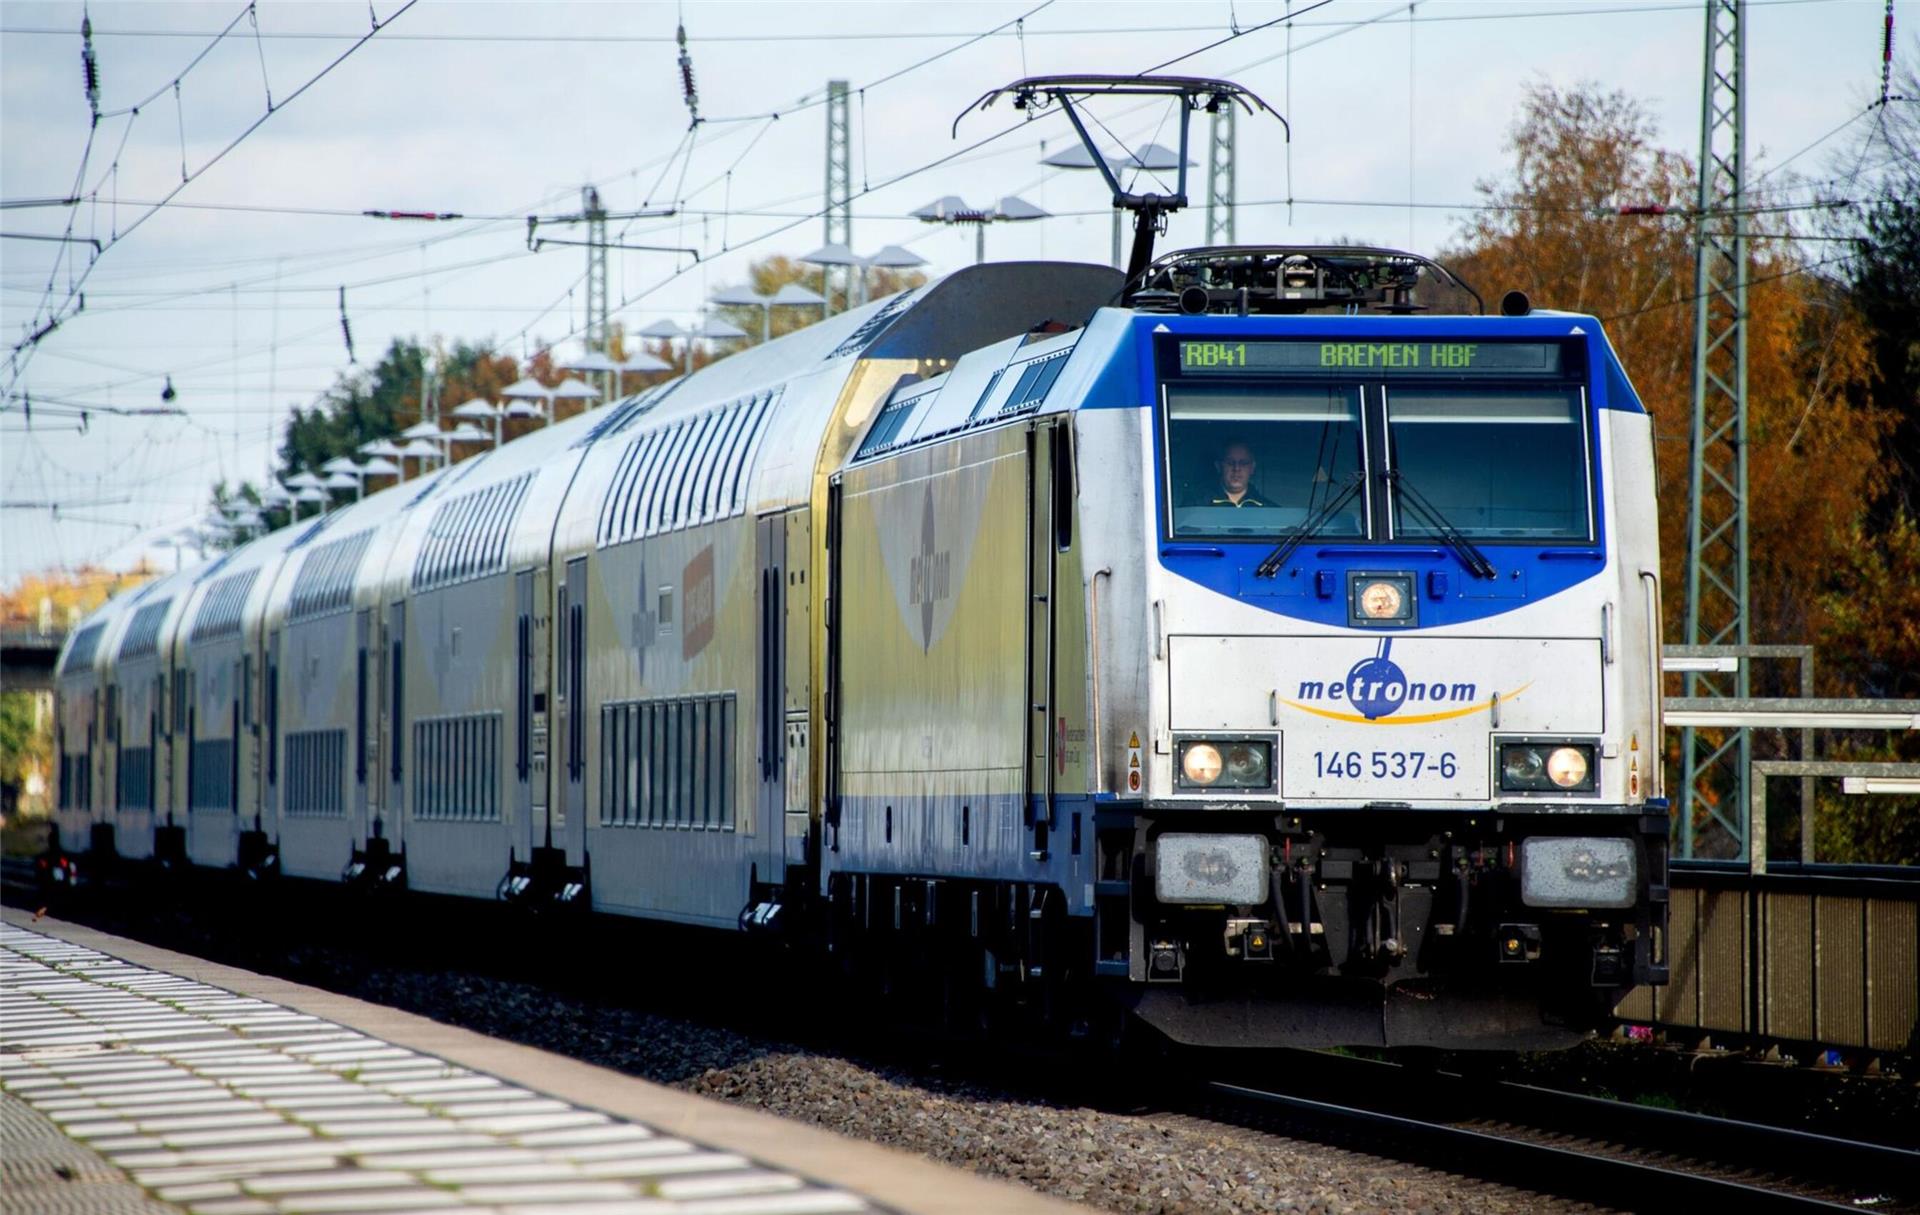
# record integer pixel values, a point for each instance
(237, 686)
(569, 818)
(108, 789)
(798, 654)
(366, 694)
(270, 713)
(396, 715)
(770, 699)
(522, 834)
(1045, 445)
(160, 728)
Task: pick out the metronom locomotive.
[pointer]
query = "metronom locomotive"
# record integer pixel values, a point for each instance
(1248, 652)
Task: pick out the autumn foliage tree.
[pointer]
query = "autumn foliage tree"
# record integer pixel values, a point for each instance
(1554, 228)
(1584, 222)
(51, 602)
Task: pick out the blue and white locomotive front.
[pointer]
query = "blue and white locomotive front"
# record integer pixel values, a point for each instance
(1388, 746)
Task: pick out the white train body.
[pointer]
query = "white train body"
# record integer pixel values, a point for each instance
(931, 634)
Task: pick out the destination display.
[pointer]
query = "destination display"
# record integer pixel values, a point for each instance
(1372, 358)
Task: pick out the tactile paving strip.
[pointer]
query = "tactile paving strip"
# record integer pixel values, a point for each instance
(226, 1105)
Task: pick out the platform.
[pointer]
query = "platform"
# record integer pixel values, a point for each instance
(134, 1079)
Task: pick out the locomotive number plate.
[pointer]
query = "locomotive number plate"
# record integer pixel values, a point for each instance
(1385, 765)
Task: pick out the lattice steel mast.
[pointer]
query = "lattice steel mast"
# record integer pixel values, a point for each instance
(1220, 178)
(597, 333)
(839, 202)
(1715, 768)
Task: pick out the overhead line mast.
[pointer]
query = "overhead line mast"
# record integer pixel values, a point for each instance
(1715, 766)
(839, 201)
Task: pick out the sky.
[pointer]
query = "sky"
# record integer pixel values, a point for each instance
(497, 111)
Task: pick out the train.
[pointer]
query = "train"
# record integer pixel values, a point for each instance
(1249, 651)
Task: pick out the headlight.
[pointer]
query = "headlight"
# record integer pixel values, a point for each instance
(1210, 763)
(1381, 600)
(1567, 767)
(1546, 767)
(1377, 599)
(1247, 765)
(1578, 872)
(1201, 763)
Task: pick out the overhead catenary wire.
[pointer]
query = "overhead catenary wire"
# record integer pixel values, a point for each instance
(22, 351)
(759, 131)
(617, 38)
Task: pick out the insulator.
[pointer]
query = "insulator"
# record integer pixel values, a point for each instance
(90, 65)
(346, 330)
(687, 89)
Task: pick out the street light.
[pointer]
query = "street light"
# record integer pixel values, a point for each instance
(479, 409)
(1149, 158)
(790, 295)
(529, 389)
(890, 257)
(595, 361)
(710, 328)
(573, 390)
(953, 210)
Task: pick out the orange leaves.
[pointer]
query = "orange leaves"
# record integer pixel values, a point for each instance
(1552, 228)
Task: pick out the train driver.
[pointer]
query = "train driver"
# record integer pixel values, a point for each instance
(1234, 486)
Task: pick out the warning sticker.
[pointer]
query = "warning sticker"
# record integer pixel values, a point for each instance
(1133, 762)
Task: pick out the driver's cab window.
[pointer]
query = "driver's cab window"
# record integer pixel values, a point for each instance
(1262, 459)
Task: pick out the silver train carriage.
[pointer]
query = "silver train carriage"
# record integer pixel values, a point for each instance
(1283, 679)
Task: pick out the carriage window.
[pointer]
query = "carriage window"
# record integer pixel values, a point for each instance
(1261, 459)
(1496, 463)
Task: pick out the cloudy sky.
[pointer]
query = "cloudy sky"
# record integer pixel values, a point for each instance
(497, 111)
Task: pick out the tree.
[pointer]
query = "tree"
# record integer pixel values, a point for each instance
(1831, 375)
(375, 403)
(45, 603)
(1553, 228)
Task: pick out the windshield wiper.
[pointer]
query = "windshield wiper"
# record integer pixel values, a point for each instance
(1463, 548)
(1307, 530)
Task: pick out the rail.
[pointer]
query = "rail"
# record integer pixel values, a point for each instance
(1432, 1114)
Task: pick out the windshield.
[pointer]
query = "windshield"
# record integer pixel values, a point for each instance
(1496, 463)
(1260, 459)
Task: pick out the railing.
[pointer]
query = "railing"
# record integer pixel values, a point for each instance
(1821, 956)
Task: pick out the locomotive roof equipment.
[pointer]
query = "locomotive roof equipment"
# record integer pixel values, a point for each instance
(1035, 93)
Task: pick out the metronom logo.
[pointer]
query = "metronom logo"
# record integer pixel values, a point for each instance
(1377, 687)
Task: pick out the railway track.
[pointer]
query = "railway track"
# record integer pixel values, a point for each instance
(1606, 1152)
(1609, 1153)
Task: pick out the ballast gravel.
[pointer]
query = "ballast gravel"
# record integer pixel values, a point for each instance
(679, 1024)
(1136, 1163)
